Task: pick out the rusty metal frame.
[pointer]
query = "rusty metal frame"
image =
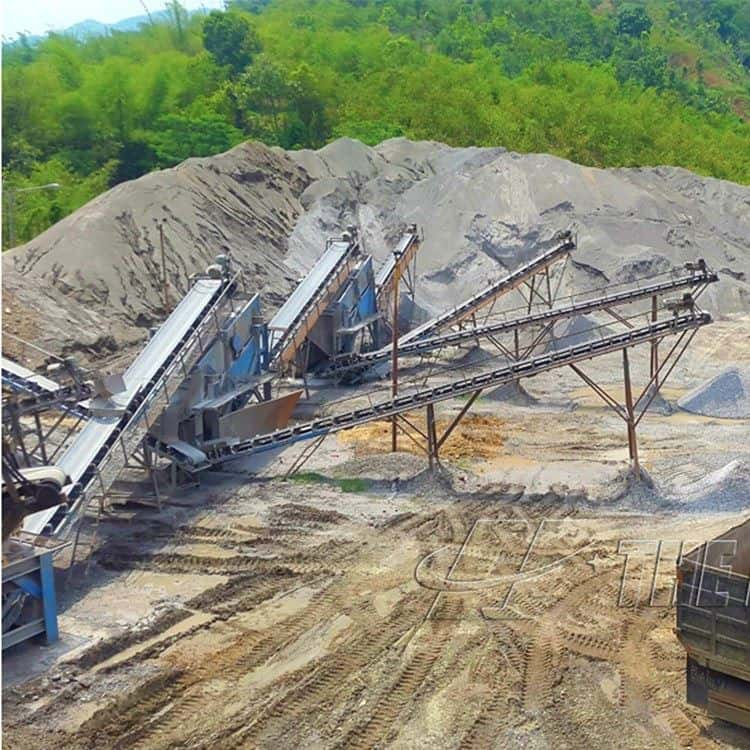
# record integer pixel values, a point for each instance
(629, 412)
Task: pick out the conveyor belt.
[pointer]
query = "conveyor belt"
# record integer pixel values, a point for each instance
(492, 292)
(401, 256)
(361, 362)
(177, 344)
(297, 316)
(20, 378)
(527, 368)
(41, 393)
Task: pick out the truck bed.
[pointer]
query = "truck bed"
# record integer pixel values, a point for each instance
(713, 624)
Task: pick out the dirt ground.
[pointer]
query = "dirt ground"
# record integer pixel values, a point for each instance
(511, 599)
(477, 436)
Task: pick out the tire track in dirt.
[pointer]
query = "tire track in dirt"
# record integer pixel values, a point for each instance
(331, 676)
(644, 681)
(248, 651)
(498, 672)
(541, 672)
(395, 699)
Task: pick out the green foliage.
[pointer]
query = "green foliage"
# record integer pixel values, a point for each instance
(633, 20)
(178, 137)
(346, 484)
(230, 39)
(634, 83)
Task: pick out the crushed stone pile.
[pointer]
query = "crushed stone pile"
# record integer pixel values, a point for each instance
(511, 393)
(726, 395)
(91, 283)
(726, 488)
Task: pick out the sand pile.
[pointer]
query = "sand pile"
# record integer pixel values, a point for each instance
(92, 282)
(93, 279)
(511, 393)
(726, 395)
(724, 489)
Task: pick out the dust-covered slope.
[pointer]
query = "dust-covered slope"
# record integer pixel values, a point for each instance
(96, 273)
(94, 279)
(484, 210)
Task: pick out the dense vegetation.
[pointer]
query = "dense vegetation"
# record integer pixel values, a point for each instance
(602, 83)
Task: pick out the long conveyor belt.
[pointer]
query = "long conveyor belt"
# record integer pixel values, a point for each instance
(94, 456)
(492, 292)
(400, 258)
(508, 373)
(297, 316)
(361, 362)
(19, 378)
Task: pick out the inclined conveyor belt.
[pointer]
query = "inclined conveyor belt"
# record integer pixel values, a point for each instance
(361, 362)
(92, 444)
(402, 255)
(490, 293)
(289, 326)
(40, 393)
(508, 373)
(19, 378)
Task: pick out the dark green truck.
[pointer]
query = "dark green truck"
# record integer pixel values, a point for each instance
(713, 624)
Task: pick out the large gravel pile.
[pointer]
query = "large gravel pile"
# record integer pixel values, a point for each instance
(727, 395)
(93, 278)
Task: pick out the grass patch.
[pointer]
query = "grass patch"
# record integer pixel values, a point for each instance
(309, 477)
(351, 484)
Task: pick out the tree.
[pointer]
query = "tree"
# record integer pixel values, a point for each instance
(178, 19)
(263, 87)
(231, 40)
(179, 137)
(249, 6)
(308, 110)
(632, 20)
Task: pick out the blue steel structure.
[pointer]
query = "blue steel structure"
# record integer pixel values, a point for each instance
(29, 597)
(348, 323)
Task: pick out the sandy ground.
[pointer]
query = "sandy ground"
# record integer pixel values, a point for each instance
(370, 603)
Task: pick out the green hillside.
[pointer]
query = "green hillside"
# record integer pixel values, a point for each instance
(601, 83)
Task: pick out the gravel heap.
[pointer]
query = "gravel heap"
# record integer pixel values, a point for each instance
(91, 283)
(726, 395)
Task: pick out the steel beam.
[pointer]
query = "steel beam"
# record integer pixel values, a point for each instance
(632, 439)
(452, 426)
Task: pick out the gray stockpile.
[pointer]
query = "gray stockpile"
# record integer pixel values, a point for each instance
(93, 280)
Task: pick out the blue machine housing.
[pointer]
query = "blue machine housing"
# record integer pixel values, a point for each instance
(225, 378)
(350, 323)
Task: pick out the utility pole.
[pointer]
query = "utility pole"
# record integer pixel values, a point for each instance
(394, 349)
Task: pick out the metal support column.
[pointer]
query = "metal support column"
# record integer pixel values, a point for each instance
(632, 442)
(654, 372)
(394, 353)
(432, 442)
